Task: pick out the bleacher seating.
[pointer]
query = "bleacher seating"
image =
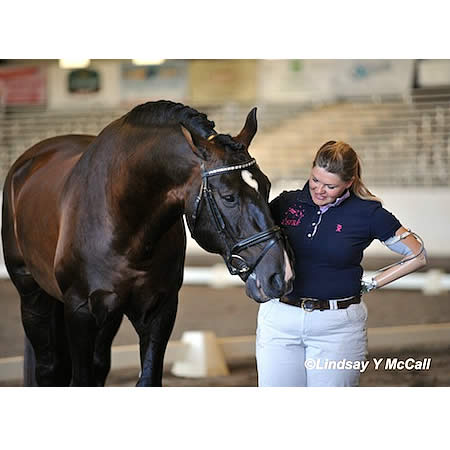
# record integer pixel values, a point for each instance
(400, 141)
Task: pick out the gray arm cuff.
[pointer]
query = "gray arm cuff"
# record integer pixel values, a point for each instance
(398, 247)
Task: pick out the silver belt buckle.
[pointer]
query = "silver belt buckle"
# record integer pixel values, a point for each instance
(308, 305)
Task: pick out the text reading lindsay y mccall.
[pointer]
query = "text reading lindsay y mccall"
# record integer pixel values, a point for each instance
(376, 363)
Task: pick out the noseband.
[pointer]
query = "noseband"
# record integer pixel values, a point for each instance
(236, 264)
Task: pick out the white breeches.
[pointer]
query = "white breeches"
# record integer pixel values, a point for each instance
(319, 348)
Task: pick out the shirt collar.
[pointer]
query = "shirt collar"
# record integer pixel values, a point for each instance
(339, 200)
(305, 196)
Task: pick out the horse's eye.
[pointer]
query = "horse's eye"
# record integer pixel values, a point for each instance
(229, 198)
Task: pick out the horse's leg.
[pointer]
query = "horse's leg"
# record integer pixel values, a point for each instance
(82, 330)
(43, 323)
(102, 353)
(29, 365)
(154, 329)
(63, 358)
(46, 359)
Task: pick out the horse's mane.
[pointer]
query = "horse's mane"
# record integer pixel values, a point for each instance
(165, 112)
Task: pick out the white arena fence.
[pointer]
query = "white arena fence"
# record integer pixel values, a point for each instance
(432, 282)
(202, 354)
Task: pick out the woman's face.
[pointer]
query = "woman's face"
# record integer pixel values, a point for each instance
(325, 187)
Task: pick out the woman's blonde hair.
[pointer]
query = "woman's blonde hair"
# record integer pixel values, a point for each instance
(339, 158)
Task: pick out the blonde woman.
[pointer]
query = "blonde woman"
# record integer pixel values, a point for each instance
(317, 335)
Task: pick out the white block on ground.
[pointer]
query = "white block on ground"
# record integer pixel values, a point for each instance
(203, 358)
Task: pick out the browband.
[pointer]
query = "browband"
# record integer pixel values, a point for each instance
(209, 173)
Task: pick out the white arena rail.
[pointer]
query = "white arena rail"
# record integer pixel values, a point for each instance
(203, 354)
(432, 282)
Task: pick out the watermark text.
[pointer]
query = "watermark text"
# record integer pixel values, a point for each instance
(376, 363)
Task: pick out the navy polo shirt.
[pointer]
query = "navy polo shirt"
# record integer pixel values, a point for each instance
(328, 247)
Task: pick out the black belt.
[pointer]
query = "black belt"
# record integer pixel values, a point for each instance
(310, 304)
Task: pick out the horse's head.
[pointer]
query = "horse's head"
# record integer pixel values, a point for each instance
(227, 212)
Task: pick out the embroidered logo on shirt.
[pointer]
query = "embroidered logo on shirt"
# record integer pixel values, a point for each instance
(338, 228)
(293, 216)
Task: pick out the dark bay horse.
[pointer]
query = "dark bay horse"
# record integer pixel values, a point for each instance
(92, 229)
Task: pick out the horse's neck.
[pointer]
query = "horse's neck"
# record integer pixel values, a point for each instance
(148, 190)
(153, 172)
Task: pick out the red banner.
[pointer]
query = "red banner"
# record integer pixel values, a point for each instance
(22, 85)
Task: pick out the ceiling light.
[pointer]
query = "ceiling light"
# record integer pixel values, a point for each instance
(148, 62)
(74, 63)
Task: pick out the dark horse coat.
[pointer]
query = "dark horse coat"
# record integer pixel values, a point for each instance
(92, 230)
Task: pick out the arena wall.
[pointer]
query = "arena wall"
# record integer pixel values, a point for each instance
(425, 211)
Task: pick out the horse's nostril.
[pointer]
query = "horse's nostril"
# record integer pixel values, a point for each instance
(276, 281)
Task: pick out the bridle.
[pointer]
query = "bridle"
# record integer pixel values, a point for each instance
(236, 264)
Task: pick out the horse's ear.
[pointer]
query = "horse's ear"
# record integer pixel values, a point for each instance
(248, 132)
(197, 143)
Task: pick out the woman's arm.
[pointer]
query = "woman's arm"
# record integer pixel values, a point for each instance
(414, 260)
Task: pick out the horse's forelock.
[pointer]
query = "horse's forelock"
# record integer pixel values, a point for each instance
(227, 141)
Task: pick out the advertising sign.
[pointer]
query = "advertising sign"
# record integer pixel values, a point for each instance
(154, 82)
(84, 81)
(219, 81)
(22, 85)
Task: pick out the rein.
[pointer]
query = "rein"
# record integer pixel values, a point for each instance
(236, 264)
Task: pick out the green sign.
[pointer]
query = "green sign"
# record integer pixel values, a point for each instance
(296, 65)
(82, 81)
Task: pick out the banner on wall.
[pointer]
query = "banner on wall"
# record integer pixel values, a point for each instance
(83, 81)
(328, 79)
(433, 73)
(22, 85)
(373, 77)
(221, 81)
(97, 86)
(167, 81)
